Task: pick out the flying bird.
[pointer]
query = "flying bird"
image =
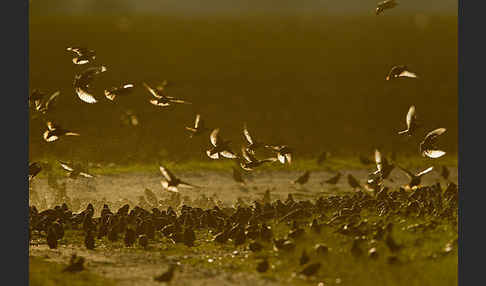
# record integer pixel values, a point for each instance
(384, 5)
(82, 55)
(160, 99)
(41, 102)
(383, 168)
(250, 161)
(54, 132)
(353, 182)
(415, 179)
(199, 127)
(74, 171)
(252, 144)
(220, 147)
(284, 153)
(304, 178)
(333, 180)
(82, 82)
(34, 169)
(428, 145)
(400, 71)
(411, 121)
(123, 90)
(171, 182)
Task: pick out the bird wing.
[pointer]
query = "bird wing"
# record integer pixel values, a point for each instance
(288, 156)
(85, 96)
(425, 171)
(407, 73)
(212, 156)
(228, 154)
(65, 166)
(433, 153)
(247, 135)
(151, 90)
(86, 175)
(248, 157)
(157, 103)
(179, 101)
(166, 173)
(410, 115)
(281, 158)
(378, 160)
(214, 137)
(196, 122)
(51, 125)
(434, 133)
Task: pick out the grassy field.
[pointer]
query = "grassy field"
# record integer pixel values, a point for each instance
(314, 82)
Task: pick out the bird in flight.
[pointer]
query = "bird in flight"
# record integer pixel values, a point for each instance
(415, 179)
(122, 90)
(160, 99)
(428, 145)
(384, 5)
(34, 169)
(82, 55)
(284, 153)
(250, 161)
(400, 71)
(171, 182)
(220, 147)
(199, 127)
(411, 121)
(252, 144)
(54, 132)
(75, 170)
(82, 82)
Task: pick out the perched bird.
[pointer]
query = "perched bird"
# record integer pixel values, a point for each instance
(302, 179)
(311, 269)
(83, 55)
(171, 182)
(166, 276)
(415, 179)
(252, 144)
(400, 71)
(322, 157)
(199, 127)
(411, 121)
(220, 147)
(123, 90)
(428, 145)
(284, 153)
(387, 4)
(383, 168)
(353, 182)
(249, 161)
(74, 171)
(445, 173)
(333, 180)
(43, 104)
(237, 176)
(263, 266)
(34, 169)
(160, 99)
(76, 264)
(82, 82)
(54, 132)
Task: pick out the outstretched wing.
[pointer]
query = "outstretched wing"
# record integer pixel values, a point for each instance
(85, 95)
(66, 166)
(86, 175)
(434, 133)
(434, 154)
(151, 90)
(214, 137)
(407, 73)
(247, 135)
(166, 173)
(196, 122)
(425, 171)
(378, 160)
(410, 115)
(228, 154)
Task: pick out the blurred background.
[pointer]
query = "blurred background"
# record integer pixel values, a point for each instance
(305, 73)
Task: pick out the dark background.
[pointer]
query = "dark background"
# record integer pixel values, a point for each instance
(308, 74)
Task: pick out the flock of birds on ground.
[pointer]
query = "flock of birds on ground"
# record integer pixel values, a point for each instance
(248, 225)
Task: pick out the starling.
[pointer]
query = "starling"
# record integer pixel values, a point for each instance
(384, 5)
(199, 127)
(122, 90)
(415, 179)
(353, 182)
(263, 266)
(333, 180)
(284, 153)
(143, 241)
(220, 147)
(43, 105)
(237, 176)
(76, 264)
(82, 82)
(171, 182)
(54, 132)
(160, 99)
(166, 276)
(411, 121)
(400, 71)
(302, 179)
(34, 169)
(445, 173)
(83, 55)
(311, 269)
(74, 171)
(428, 145)
(252, 144)
(373, 253)
(383, 168)
(250, 161)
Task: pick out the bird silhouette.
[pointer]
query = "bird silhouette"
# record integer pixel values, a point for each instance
(220, 147)
(400, 71)
(82, 55)
(411, 121)
(249, 161)
(168, 275)
(415, 179)
(198, 128)
(428, 145)
(171, 182)
(34, 169)
(333, 180)
(83, 81)
(55, 131)
(353, 182)
(284, 153)
(384, 5)
(160, 99)
(301, 180)
(252, 144)
(122, 90)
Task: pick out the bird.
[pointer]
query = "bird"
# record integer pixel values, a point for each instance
(304, 258)
(237, 176)
(166, 276)
(83, 81)
(311, 269)
(284, 153)
(74, 171)
(383, 168)
(353, 182)
(220, 147)
(428, 145)
(400, 71)
(252, 144)
(160, 99)
(76, 264)
(322, 157)
(445, 173)
(249, 161)
(83, 55)
(411, 121)
(122, 90)
(171, 182)
(199, 127)
(42, 103)
(34, 169)
(36, 96)
(263, 266)
(302, 179)
(415, 179)
(54, 132)
(333, 180)
(387, 4)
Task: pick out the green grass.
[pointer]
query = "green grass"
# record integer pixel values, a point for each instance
(43, 273)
